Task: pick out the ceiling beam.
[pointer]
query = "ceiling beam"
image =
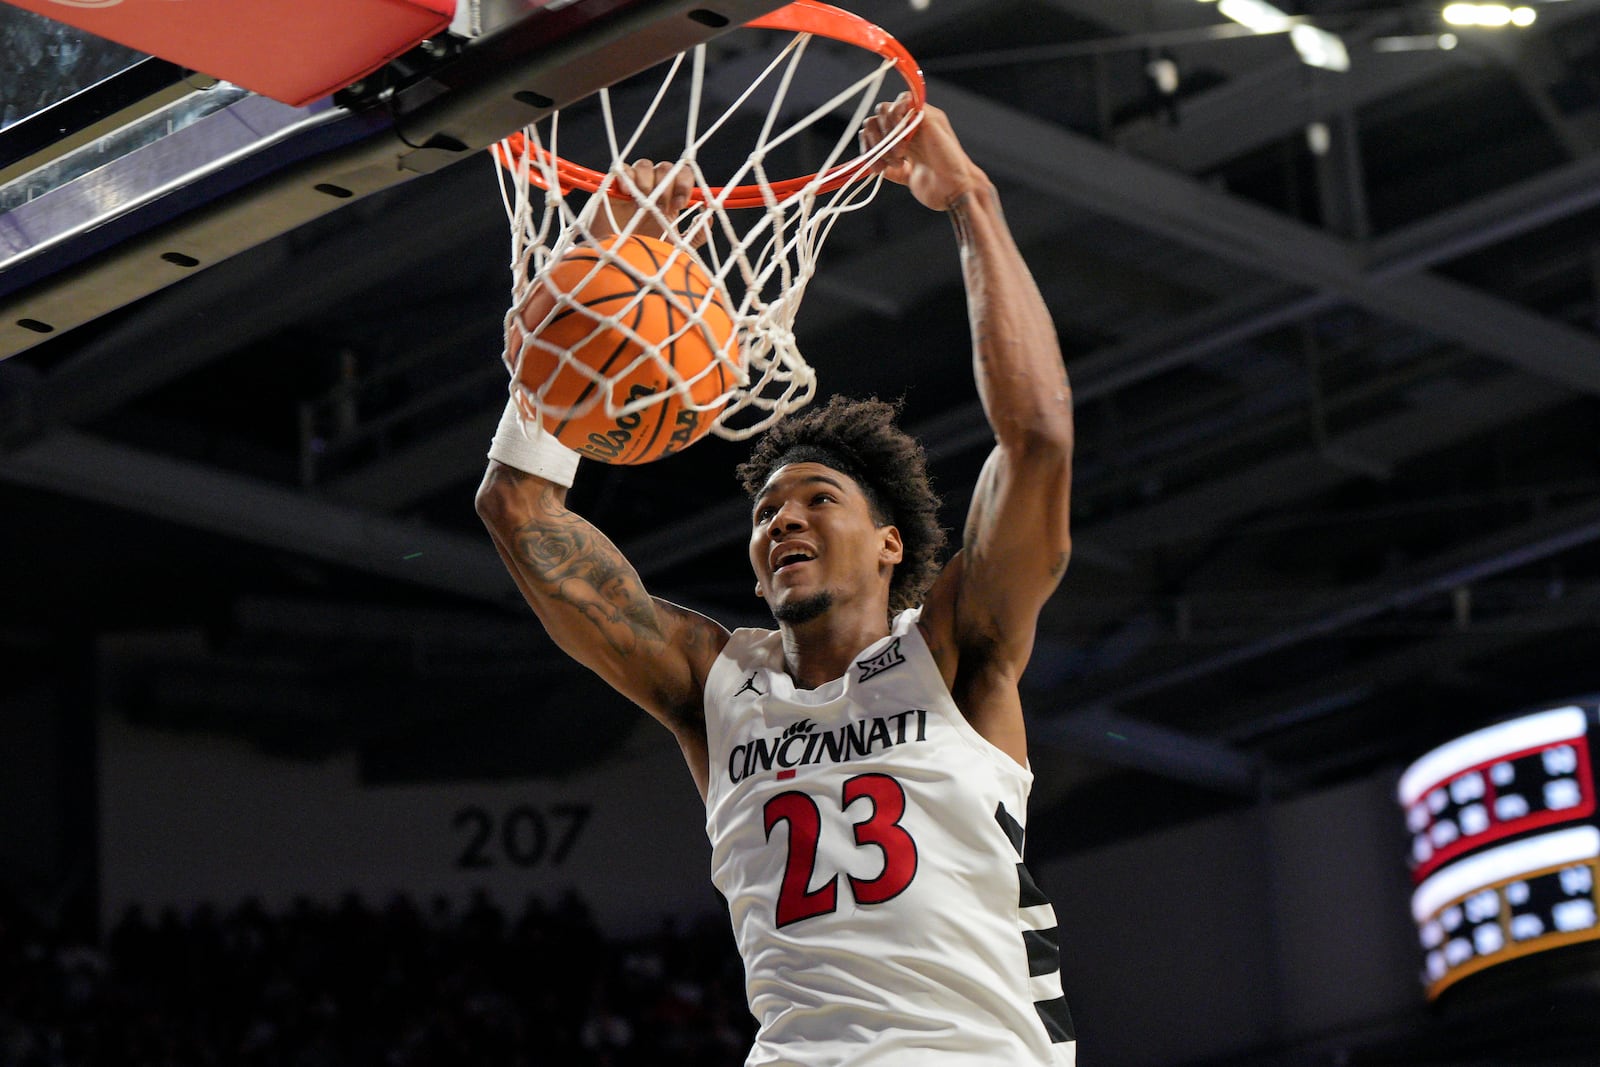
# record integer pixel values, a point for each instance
(1302, 705)
(1520, 208)
(1108, 737)
(1531, 542)
(1043, 156)
(1275, 101)
(260, 513)
(1197, 513)
(1535, 63)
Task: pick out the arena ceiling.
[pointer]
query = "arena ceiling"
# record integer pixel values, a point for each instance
(1338, 476)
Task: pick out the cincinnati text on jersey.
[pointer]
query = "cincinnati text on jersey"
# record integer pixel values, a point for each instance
(800, 746)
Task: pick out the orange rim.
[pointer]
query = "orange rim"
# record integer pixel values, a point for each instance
(800, 16)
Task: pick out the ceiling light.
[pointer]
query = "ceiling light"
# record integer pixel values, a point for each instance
(1163, 74)
(1319, 48)
(1319, 138)
(1492, 16)
(1419, 43)
(1257, 15)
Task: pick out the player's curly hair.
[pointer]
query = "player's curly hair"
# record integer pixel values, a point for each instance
(859, 438)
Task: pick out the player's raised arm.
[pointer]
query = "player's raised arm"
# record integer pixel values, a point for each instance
(1016, 541)
(591, 600)
(588, 596)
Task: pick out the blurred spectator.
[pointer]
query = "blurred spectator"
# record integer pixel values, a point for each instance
(397, 986)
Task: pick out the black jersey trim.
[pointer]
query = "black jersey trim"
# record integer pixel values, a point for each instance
(1044, 951)
(1043, 947)
(1057, 1020)
(1029, 895)
(1012, 828)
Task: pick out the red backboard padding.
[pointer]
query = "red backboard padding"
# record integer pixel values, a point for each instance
(294, 51)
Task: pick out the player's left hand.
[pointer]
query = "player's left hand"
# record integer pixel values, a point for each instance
(641, 180)
(930, 162)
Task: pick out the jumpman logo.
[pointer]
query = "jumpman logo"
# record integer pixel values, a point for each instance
(749, 686)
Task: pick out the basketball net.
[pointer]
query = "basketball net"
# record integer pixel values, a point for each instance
(756, 236)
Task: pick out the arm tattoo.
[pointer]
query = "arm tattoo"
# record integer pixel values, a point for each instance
(577, 565)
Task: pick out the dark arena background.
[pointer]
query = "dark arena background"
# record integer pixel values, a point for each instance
(288, 774)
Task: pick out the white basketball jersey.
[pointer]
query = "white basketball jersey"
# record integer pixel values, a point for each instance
(869, 844)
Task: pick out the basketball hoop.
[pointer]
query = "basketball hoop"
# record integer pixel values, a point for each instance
(805, 104)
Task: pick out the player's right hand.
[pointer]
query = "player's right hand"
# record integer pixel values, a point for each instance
(930, 162)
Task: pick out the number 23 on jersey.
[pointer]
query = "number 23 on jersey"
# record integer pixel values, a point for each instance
(882, 801)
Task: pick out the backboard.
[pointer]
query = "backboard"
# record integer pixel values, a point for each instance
(122, 173)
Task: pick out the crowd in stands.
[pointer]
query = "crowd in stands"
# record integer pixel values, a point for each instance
(401, 985)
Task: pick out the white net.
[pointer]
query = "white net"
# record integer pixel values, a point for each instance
(754, 233)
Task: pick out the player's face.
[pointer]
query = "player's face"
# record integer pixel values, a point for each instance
(814, 543)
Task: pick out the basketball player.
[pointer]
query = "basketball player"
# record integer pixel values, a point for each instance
(864, 765)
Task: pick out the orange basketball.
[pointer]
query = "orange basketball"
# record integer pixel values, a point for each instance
(681, 314)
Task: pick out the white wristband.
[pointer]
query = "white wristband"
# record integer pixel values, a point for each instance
(527, 447)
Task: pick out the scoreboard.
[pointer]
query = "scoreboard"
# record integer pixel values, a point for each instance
(1504, 843)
